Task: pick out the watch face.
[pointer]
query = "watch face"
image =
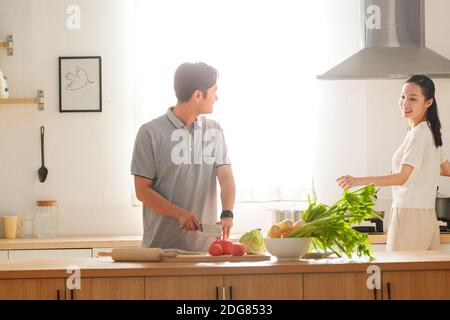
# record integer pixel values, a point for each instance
(227, 214)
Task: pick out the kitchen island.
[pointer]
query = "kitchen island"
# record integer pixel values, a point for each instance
(406, 275)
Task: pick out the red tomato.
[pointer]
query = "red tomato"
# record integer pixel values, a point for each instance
(238, 249)
(227, 246)
(215, 249)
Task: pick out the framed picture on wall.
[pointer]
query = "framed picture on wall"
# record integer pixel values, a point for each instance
(80, 84)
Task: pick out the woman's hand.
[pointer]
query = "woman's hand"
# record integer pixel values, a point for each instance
(347, 182)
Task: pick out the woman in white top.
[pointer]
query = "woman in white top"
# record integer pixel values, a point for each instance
(416, 167)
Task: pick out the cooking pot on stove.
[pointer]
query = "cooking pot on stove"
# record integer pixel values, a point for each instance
(279, 215)
(442, 207)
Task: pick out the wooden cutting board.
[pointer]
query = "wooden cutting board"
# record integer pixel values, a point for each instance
(208, 258)
(160, 255)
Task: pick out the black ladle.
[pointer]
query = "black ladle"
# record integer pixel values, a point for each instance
(42, 172)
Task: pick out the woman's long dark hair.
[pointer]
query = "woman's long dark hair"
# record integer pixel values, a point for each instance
(428, 90)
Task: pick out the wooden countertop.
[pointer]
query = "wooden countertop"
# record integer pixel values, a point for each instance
(105, 267)
(70, 242)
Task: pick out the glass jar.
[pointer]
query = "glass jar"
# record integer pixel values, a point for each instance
(48, 215)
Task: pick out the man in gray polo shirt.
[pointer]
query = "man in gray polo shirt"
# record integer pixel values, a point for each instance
(176, 160)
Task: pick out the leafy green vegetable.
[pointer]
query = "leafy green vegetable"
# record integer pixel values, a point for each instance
(330, 226)
(253, 241)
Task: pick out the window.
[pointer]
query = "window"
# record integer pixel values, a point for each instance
(264, 51)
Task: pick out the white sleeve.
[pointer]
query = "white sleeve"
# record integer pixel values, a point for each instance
(442, 154)
(414, 152)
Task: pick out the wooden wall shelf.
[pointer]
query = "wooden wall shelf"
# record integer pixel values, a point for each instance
(39, 100)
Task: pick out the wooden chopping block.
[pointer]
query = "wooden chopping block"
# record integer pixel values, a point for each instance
(133, 254)
(138, 254)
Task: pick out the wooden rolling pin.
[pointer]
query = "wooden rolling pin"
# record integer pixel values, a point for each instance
(138, 254)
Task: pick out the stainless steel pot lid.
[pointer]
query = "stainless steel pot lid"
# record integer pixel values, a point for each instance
(441, 195)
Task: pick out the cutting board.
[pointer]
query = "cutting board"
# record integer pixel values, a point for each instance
(160, 255)
(209, 258)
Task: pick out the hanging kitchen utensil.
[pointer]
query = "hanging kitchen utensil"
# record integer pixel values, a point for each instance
(42, 172)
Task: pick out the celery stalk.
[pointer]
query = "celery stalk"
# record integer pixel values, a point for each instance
(330, 226)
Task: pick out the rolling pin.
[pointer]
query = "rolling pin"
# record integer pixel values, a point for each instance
(138, 254)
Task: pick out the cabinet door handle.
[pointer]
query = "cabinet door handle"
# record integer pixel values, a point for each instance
(389, 290)
(71, 295)
(217, 293)
(224, 294)
(231, 292)
(375, 293)
(58, 295)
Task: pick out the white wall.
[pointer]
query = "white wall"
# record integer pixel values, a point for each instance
(87, 154)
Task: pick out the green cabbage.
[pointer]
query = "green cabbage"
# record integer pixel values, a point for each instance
(253, 241)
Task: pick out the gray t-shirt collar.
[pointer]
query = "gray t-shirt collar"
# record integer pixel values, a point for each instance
(177, 122)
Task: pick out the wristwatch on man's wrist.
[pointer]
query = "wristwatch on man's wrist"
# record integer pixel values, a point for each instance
(226, 214)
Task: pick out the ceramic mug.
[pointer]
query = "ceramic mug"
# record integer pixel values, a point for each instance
(12, 226)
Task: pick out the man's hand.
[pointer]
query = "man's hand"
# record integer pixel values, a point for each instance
(227, 224)
(189, 221)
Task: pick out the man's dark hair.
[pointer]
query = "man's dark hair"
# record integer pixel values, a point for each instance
(193, 76)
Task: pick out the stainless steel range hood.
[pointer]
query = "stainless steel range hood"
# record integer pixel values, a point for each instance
(394, 38)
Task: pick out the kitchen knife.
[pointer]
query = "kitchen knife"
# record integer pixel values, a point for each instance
(211, 230)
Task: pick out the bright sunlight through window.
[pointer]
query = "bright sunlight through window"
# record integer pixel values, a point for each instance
(264, 51)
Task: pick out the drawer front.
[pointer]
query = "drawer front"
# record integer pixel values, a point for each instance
(50, 254)
(121, 288)
(32, 289)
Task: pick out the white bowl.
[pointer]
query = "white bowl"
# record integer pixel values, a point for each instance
(287, 248)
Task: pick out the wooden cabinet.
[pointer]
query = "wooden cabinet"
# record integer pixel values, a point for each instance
(416, 285)
(120, 288)
(184, 288)
(338, 286)
(264, 287)
(32, 289)
(396, 285)
(238, 287)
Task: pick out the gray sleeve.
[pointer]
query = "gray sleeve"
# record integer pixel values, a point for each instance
(143, 162)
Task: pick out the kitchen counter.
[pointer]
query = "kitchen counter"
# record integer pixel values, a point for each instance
(105, 267)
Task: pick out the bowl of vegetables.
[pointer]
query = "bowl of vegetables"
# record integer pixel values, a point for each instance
(288, 248)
